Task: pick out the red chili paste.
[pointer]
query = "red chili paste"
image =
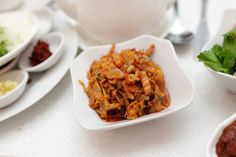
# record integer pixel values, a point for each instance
(40, 53)
(226, 145)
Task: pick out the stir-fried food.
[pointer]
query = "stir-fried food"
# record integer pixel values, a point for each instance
(126, 85)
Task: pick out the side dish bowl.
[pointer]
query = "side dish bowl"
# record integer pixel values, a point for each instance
(228, 22)
(56, 42)
(211, 149)
(25, 29)
(164, 55)
(21, 78)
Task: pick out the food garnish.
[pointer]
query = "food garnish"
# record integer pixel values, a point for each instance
(3, 43)
(126, 85)
(222, 58)
(7, 86)
(226, 145)
(40, 53)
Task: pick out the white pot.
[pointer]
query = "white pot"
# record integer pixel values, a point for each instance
(116, 20)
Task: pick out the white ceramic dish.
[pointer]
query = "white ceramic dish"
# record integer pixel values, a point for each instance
(211, 150)
(43, 83)
(228, 22)
(161, 31)
(10, 21)
(56, 41)
(165, 56)
(105, 22)
(21, 77)
(9, 66)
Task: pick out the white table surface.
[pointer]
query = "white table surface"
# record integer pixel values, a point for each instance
(50, 129)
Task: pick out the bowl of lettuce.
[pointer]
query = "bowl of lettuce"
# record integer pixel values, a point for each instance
(3, 43)
(15, 34)
(219, 57)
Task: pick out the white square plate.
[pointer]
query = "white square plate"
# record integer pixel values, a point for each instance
(181, 89)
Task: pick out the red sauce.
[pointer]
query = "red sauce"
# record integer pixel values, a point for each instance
(40, 53)
(226, 145)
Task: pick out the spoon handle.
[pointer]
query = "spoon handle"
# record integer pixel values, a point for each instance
(203, 9)
(176, 8)
(202, 33)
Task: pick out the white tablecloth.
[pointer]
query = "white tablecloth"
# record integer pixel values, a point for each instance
(50, 129)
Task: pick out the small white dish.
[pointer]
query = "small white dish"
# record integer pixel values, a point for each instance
(21, 77)
(227, 23)
(55, 41)
(165, 56)
(211, 149)
(8, 66)
(17, 29)
(8, 5)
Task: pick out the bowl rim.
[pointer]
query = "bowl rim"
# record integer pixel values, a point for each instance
(138, 120)
(220, 73)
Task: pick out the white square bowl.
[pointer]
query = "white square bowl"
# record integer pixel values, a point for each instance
(227, 23)
(181, 88)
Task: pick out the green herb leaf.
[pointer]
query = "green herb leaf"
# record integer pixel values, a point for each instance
(211, 60)
(3, 48)
(222, 58)
(1, 30)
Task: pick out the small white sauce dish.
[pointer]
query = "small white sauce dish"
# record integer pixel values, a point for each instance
(55, 41)
(21, 77)
(180, 87)
(25, 29)
(227, 23)
(211, 149)
(8, 66)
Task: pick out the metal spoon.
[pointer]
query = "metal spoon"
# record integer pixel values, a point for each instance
(178, 34)
(202, 30)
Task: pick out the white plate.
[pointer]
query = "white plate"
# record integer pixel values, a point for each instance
(43, 83)
(165, 56)
(26, 28)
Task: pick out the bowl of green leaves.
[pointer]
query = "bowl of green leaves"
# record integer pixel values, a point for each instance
(219, 57)
(3, 43)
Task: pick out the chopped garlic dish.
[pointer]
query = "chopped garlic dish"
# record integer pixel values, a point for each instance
(6, 87)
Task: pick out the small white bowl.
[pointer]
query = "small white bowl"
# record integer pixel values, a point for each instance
(228, 22)
(180, 87)
(21, 77)
(11, 20)
(55, 41)
(211, 150)
(8, 66)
